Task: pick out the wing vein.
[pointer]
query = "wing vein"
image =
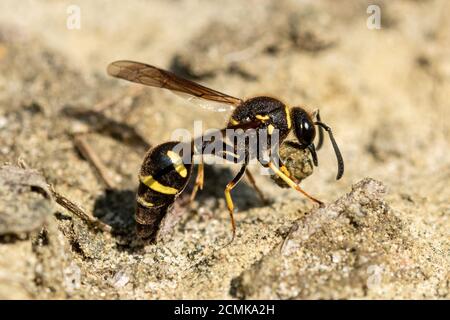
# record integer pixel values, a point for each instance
(155, 77)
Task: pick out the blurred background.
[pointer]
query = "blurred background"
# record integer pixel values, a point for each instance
(379, 71)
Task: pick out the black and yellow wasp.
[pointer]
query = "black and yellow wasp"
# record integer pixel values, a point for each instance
(164, 173)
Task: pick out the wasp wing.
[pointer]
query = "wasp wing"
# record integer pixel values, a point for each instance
(155, 77)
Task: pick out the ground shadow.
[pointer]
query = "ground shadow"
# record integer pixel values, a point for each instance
(116, 209)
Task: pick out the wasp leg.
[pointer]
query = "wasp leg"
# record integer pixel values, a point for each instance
(284, 169)
(198, 181)
(252, 181)
(290, 182)
(228, 198)
(255, 186)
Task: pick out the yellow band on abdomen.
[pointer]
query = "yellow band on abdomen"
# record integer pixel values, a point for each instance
(150, 182)
(144, 203)
(177, 163)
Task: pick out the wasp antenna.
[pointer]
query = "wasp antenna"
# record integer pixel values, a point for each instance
(320, 142)
(339, 158)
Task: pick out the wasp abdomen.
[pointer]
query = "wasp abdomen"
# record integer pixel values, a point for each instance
(163, 176)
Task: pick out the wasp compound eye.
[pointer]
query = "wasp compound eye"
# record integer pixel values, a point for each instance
(304, 127)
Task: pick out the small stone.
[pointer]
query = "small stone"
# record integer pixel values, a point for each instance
(336, 257)
(3, 122)
(120, 279)
(25, 200)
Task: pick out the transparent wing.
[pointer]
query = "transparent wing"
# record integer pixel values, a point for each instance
(152, 76)
(205, 104)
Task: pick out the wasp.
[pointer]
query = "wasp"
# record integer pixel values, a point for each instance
(164, 174)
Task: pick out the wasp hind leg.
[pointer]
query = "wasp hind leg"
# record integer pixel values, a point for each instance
(229, 200)
(255, 186)
(198, 181)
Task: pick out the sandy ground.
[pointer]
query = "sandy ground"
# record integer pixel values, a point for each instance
(384, 92)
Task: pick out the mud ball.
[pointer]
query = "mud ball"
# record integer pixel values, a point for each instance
(298, 163)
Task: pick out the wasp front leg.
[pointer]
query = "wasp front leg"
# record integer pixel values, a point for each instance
(282, 172)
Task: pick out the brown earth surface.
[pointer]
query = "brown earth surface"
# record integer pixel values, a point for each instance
(384, 232)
